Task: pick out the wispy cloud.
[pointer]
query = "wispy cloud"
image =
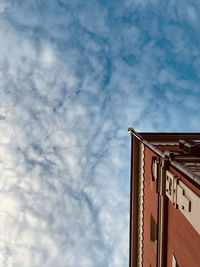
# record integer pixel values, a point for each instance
(74, 76)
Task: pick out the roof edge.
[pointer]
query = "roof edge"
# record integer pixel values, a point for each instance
(173, 162)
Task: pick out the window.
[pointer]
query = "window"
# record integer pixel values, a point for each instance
(174, 262)
(153, 232)
(154, 169)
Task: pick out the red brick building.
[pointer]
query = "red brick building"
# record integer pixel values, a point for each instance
(165, 200)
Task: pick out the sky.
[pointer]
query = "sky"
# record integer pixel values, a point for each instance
(74, 75)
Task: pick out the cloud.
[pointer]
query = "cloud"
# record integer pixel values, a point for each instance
(74, 77)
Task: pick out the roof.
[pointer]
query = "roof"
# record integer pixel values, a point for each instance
(182, 149)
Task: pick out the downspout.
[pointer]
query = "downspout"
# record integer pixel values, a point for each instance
(162, 214)
(133, 238)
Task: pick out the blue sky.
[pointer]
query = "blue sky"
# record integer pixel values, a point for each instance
(74, 76)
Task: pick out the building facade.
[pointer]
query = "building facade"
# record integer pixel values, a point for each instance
(165, 200)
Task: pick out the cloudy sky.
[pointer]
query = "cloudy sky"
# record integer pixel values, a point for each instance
(74, 75)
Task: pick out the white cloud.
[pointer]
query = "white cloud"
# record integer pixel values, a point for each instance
(47, 56)
(3, 6)
(74, 77)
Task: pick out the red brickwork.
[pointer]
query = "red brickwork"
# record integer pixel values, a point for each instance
(150, 207)
(183, 240)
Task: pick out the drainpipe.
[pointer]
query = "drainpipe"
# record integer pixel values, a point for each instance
(133, 238)
(162, 214)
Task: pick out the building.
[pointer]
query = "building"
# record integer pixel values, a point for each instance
(165, 200)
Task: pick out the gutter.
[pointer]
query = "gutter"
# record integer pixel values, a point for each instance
(173, 161)
(157, 151)
(186, 171)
